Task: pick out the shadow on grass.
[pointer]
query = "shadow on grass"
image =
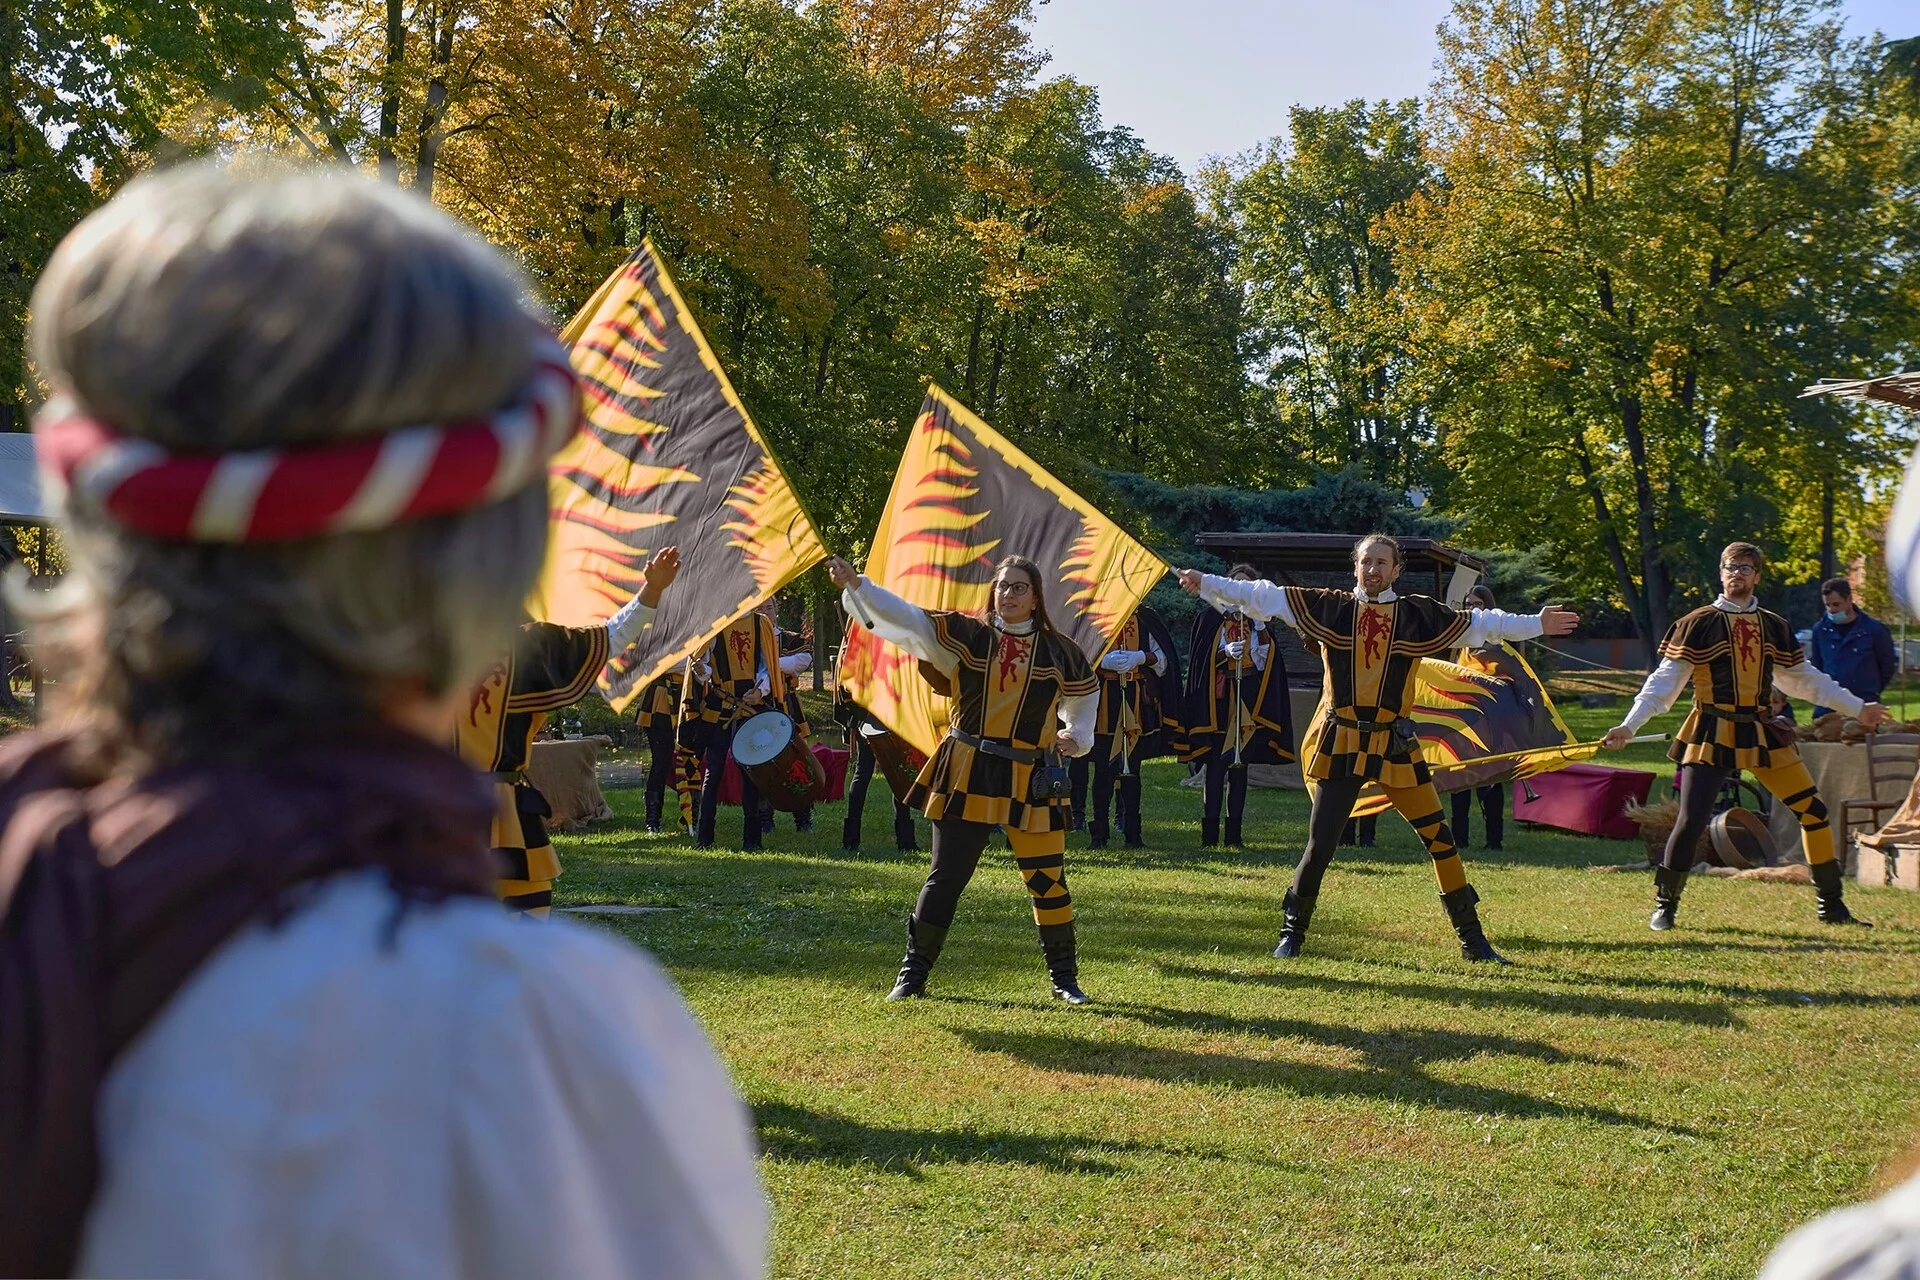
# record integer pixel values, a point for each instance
(1706, 1013)
(1405, 1084)
(1726, 991)
(1391, 1049)
(804, 1135)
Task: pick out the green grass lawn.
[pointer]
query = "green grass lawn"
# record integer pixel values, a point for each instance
(1619, 1103)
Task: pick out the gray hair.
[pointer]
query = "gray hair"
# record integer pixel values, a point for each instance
(209, 313)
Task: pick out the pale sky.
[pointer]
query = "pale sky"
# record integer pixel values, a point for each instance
(1196, 78)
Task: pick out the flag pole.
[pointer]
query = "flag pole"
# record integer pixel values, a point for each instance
(1544, 752)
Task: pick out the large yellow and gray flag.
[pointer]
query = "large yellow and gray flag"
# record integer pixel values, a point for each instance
(963, 498)
(1484, 721)
(668, 456)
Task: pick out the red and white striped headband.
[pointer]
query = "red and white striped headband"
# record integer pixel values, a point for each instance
(281, 495)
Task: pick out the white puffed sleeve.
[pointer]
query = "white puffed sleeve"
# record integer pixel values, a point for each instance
(1259, 600)
(1077, 717)
(897, 622)
(1490, 626)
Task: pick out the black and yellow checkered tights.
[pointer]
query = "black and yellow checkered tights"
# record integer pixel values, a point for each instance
(1791, 785)
(1420, 806)
(957, 846)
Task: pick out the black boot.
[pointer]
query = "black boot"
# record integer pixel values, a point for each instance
(1296, 912)
(1466, 923)
(1097, 834)
(1826, 888)
(1668, 882)
(1056, 940)
(923, 948)
(1209, 833)
(1233, 834)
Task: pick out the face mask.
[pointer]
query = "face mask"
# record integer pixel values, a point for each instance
(1835, 617)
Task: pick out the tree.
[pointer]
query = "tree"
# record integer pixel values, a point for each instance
(1661, 219)
(1318, 273)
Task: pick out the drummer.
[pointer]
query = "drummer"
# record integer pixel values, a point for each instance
(795, 661)
(1021, 691)
(737, 677)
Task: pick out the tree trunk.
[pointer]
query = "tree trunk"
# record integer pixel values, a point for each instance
(1829, 563)
(1617, 555)
(822, 631)
(390, 90)
(973, 345)
(433, 114)
(999, 359)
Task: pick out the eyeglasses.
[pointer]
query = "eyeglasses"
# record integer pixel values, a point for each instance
(1013, 588)
(1740, 566)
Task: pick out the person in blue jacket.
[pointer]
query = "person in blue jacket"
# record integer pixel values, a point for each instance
(1850, 646)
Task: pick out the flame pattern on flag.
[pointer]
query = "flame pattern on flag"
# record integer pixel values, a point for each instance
(1491, 705)
(666, 449)
(963, 498)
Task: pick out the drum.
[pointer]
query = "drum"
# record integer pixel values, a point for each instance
(1740, 840)
(780, 763)
(898, 760)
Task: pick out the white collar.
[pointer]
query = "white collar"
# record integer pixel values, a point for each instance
(1725, 605)
(1385, 597)
(1014, 628)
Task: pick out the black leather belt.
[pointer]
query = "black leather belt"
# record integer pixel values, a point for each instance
(1737, 717)
(988, 747)
(1366, 726)
(515, 775)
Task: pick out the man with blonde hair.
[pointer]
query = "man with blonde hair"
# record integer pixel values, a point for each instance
(259, 1012)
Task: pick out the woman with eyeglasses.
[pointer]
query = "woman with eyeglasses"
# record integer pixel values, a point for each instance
(1022, 694)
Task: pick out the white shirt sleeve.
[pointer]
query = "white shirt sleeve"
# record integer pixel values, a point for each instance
(1490, 626)
(1260, 652)
(897, 622)
(1077, 716)
(761, 680)
(1810, 684)
(1156, 657)
(1259, 600)
(1658, 693)
(624, 627)
(794, 664)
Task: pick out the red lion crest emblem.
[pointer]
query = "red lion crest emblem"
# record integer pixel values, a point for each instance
(1746, 636)
(1013, 651)
(1373, 634)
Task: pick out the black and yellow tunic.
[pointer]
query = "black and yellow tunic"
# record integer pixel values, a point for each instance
(791, 643)
(1734, 656)
(738, 656)
(1127, 708)
(1372, 653)
(659, 702)
(1264, 718)
(1007, 688)
(550, 667)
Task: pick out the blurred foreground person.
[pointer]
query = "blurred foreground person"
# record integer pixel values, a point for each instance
(259, 1012)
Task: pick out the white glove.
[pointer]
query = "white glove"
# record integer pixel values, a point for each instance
(1237, 650)
(1120, 661)
(702, 671)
